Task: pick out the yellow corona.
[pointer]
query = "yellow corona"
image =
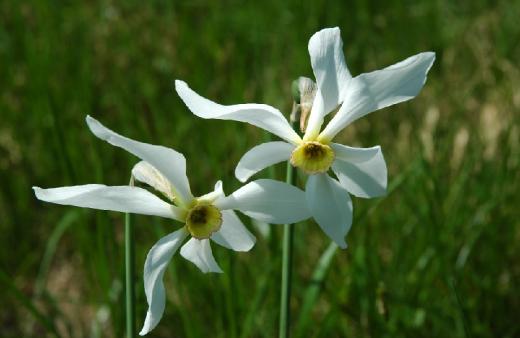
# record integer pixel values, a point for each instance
(203, 220)
(313, 157)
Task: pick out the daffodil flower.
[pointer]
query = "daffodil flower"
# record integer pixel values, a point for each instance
(210, 216)
(359, 171)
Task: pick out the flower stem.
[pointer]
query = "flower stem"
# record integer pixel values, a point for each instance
(287, 256)
(129, 275)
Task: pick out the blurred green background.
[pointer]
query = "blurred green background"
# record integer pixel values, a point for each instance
(437, 257)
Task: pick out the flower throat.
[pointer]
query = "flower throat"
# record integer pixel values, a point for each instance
(313, 157)
(203, 220)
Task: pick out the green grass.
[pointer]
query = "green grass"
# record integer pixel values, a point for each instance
(437, 257)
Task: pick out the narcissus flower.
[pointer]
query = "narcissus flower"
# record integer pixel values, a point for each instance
(210, 216)
(359, 171)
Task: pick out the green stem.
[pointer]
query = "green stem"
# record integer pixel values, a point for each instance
(129, 276)
(287, 256)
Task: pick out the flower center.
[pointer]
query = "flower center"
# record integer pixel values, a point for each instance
(203, 220)
(313, 157)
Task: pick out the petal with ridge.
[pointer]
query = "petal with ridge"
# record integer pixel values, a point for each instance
(168, 162)
(268, 201)
(260, 115)
(365, 179)
(154, 267)
(233, 234)
(261, 157)
(198, 251)
(331, 73)
(331, 206)
(116, 198)
(379, 89)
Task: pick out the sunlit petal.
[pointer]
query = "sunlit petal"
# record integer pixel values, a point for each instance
(199, 253)
(354, 155)
(366, 178)
(216, 194)
(262, 156)
(331, 73)
(170, 163)
(331, 206)
(154, 267)
(269, 201)
(233, 234)
(379, 89)
(260, 115)
(117, 198)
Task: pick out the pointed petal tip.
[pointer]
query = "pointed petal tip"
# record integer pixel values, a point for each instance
(427, 57)
(180, 84)
(216, 270)
(329, 29)
(248, 247)
(315, 38)
(90, 120)
(146, 325)
(97, 128)
(41, 194)
(37, 192)
(241, 175)
(147, 328)
(430, 55)
(336, 30)
(92, 124)
(343, 245)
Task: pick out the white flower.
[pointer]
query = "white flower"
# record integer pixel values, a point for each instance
(210, 216)
(360, 171)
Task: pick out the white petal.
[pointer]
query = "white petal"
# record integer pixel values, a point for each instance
(331, 73)
(216, 194)
(117, 198)
(233, 234)
(331, 206)
(268, 201)
(379, 89)
(144, 172)
(167, 161)
(199, 253)
(260, 115)
(154, 267)
(262, 156)
(354, 155)
(363, 178)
